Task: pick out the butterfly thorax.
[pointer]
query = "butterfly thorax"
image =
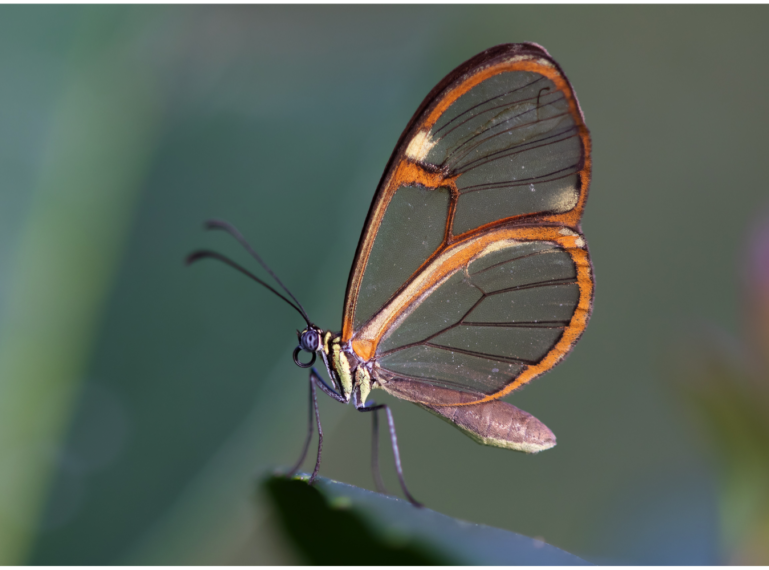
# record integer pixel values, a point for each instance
(348, 372)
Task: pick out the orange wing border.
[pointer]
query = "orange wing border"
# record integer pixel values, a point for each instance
(461, 253)
(402, 170)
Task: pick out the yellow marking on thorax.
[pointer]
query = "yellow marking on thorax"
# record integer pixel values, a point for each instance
(342, 367)
(326, 339)
(363, 380)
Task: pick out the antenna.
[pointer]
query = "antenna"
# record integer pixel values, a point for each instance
(229, 228)
(233, 231)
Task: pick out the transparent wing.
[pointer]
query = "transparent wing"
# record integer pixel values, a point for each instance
(501, 141)
(512, 146)
(494, 322)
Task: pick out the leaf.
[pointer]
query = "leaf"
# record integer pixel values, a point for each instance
(726, 394)
(335, 523)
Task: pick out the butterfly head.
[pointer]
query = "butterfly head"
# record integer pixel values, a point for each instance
(309, 341)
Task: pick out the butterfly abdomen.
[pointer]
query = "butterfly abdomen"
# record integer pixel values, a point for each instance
(499, 424)
(495, 423)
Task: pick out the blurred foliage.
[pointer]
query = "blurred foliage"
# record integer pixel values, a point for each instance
(132, 385)
(726, 384)
(101, 133)
(332, 523)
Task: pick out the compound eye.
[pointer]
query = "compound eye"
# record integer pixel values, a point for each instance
(309, 341)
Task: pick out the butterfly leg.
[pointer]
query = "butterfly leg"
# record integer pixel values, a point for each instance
(394, 441)
(313, 401)
(316, 381)
(375, 454)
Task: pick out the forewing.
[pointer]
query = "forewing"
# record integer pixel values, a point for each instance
(500, 142)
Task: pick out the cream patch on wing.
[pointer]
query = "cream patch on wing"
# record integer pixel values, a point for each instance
(563, 201)
(491, 248)
(579, 242)
(420, 146)
(517, 58)
(496, 246)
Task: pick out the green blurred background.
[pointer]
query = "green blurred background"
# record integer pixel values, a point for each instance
(140, 400)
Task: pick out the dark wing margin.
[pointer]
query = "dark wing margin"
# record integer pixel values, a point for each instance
(501, 140)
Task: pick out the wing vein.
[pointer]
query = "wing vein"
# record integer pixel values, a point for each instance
(522, 324)
(483, 103)
(448, 160)
(518, 149)
(495, 357)
(570, 170)
(490, 267)
(550, 283)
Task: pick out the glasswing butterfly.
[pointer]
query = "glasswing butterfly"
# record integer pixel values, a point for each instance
(472, 276)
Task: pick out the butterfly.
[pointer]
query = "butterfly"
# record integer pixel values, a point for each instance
(472, 276)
